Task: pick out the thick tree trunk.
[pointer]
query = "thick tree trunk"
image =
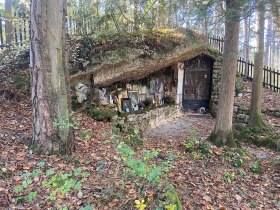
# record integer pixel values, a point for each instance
(222, 134)
(8, 23)
(49, 78)
(255, 118)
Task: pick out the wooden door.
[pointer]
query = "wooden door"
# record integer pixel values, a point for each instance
(197, 82)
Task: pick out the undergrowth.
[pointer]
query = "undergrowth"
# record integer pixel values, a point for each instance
(274, 113)
(198, 148)
(261, 137)
(147, 171)
(56, 184)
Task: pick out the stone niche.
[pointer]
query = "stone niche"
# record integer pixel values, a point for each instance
(148, 118)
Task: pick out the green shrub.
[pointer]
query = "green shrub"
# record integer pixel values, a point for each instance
(134, 139)
(146, 174)
(103, 115)
(15, 58)
(229, 175)
(256, 167)
(197, 147)
(21, 81)
(237, 157)
(56, 183)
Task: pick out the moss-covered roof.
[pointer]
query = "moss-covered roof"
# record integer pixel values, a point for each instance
(135, 56)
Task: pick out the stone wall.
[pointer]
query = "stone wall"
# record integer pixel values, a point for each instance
(240, 114)
(149, 119)
(216, 81)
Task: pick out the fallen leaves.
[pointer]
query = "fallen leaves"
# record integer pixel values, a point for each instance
(207, 198)
(199, 183)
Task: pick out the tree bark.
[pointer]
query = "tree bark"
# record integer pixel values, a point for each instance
(49, 78)
(8, 23)
(222, 134)
(255, 117)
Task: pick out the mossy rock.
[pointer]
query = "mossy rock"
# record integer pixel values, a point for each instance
(103, 115)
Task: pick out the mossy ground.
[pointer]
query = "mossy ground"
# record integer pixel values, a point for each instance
(274, 113)
(260, 136)
(222, 138)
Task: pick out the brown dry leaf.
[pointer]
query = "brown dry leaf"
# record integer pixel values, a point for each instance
(21, 154)
(4, 154)
(207, 198)
(93, 155)
(238, 198)
(25, 168)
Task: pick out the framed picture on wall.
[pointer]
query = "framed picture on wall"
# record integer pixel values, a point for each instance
(126, 105)
(134, 96)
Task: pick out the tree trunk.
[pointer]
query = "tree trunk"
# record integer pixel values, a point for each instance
(222, 134)
(8, 23)
(255, 118)
(169, 14)
(187, 12)
(49, 78)
(160, 19)
(272, 48)
(246, 43)
(268, 40)
(136, 15)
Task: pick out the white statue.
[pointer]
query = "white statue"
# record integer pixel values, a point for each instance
(103, 100)
(81, 92)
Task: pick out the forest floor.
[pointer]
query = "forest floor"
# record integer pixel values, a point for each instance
(240, 178)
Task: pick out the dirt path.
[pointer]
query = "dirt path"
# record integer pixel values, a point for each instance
(176, 128)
